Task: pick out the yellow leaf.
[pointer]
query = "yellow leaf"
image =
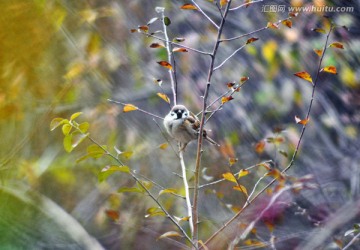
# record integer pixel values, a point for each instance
(243, 172)
(75, 70)
(319, 30)
(269, 51)
(226, 99)
(319, 52)
(75, 115)
(229, 177)
(223, 2)
(337, 45)
(164, 146)
(164, 97)
(188, 7)
(165, 64)
(329, 69)
(127, 154)
(232, 161)
(169, 234)
(129, 108)
(241, 188)
(287, 23)
(304, 75)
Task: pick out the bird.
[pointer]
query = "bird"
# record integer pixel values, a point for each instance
(184, 126)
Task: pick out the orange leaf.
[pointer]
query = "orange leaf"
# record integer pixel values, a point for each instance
(232, 161)
(163, 146)
(329, 69)
(164, 97)
(230, 84)
(156, 45)
(276, 174)
(272, 25)
(144, 28)
(129, 108)
(114, 215)
(244, 79)
(226, 99)
(243, 172)
(304, 75)
(300, 121)
(133, 30)
(188, 7)
(165, 64)
(259, 147)
(251, 40)
(241, 188)
(229, 177)
(293, 14)
(180, 50)
(318, 52)
(319, 30)
(337, 45)
(287, 23)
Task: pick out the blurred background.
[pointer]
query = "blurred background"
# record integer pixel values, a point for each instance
(59, 57)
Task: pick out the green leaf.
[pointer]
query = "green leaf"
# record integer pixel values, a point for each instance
(167, 21)
(147, 184)
(168, 191)
(129, 190)
(56, 122)
(75, 115)
(77, 139)
(154, 211)
(83, 127)
(109, 170)
(66, 128)
(96, 151)
(67, 143)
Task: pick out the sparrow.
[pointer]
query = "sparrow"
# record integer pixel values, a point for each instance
(183, 126)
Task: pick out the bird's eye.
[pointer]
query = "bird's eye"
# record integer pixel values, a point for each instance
(185, 114)
(172, 114)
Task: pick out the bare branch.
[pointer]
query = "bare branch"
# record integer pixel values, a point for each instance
(138, 109)
(252, 32)
(245, 4)
(177, 44)
(205, 15)
(236, 51)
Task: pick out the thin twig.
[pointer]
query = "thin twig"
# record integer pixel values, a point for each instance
(352, 241)
(252, 32)
(294, 154)
(202, 123)
(245, 4)
(177, 44)
(137, 109)
(163, 134)
(133, 175)
(229, 57)
(223, 179)
(172, 70)
(205, 15)
(187, 194)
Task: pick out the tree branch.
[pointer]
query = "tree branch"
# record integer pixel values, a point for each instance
(205, 15)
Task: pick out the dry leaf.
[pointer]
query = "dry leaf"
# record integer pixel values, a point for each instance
(259, 147)
(287, 23)
(329, 69)
(251, 40)
(337, 45)
(169, 234)
(229, 177)
(165, 64)
(232, 161)
(304, 75)
(188, 7)
(300, 121)
(226, 99)
(272, 25)
(319, 30)
(156, 45)
(319, 52)
(243, 172)
(164, 97)
(164, 146)
(180, 50)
